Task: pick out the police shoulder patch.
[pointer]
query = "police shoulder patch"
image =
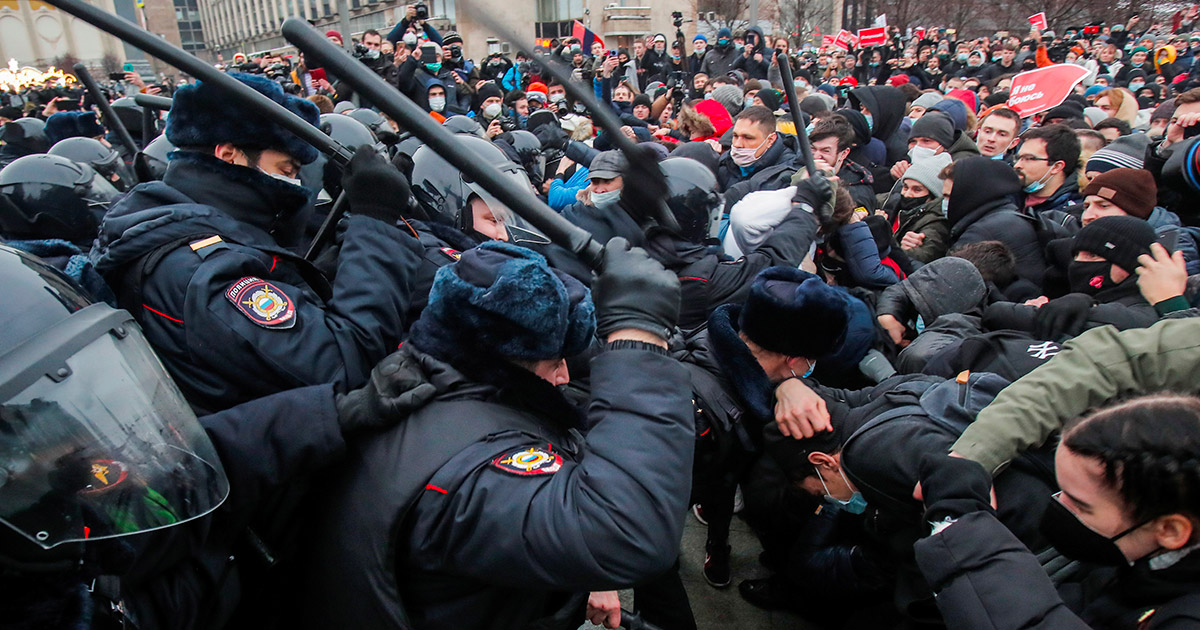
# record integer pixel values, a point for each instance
(532, 460)
(452, 254)
(262, 303)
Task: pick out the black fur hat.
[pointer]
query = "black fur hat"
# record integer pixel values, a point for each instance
(794, 313)
(203, 115)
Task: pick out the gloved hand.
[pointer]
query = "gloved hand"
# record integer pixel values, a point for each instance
(645, 188)
(1062, 317)
(397, 387)
(634, 291)
(813, 191)
(552, 137)
(375, 188)
(953, 487)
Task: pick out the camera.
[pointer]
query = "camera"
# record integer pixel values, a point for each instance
(507, 123)
(677, 16)
(422, 11)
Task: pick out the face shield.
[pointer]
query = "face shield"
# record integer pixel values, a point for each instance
(96, 442)
(519, 230)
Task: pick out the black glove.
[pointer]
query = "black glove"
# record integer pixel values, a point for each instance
(397, 387)
(374, 187)
(816, 192)
(645, 188)
(953, 487)
(1062, 317)
(634, 291)
(552, 137)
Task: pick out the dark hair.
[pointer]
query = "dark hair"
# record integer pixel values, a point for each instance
(513, 96)
(792, 455)
(1190, 96)
(994, 260)
(1007, 114)
(369, 31)
(911, 92)
(947, 172)
(760, 116)
(1150, 449)
(1086, 135)
(1061, 144)
(1114, 123)
(834, 126)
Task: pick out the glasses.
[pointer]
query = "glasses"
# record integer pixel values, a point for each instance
(1032, 158)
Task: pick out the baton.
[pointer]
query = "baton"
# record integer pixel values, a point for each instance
(789, 90)
(386, 97)
(247, 96)
(106, 110)
(151, 101)
(602, 113)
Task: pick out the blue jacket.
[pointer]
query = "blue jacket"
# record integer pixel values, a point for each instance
(861, 254)
(242, 317)
(562, 193)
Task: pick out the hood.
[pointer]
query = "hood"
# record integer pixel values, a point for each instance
(966, 197)
(717, 115)
(1161, 217)
(963, 145)
(858, 122)
(886, 104)
(1161, 59)
(761, 39)
(944, 286)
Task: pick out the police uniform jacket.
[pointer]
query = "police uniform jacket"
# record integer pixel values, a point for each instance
(485, 505)
(233, 314)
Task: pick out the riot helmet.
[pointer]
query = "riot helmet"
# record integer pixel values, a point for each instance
(529, 149)
(465, 125)
(23, 136)
(349, 133)
(130, 114)
(378, 125)
(96, 442)
(102, 158)
(693, 198)
(151, 161)
(53, 198)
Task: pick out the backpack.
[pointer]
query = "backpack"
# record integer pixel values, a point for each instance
(1008, 353)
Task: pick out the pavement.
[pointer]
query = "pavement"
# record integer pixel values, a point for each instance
(721, 609)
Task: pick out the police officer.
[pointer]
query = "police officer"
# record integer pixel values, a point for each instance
(204, 258)
(484, 508)
(114, 507)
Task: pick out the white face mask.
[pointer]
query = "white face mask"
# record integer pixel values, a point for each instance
(920, 154)
(492, 111)
(437, 103)
(558, 97)
(295, 181)
(605, 199)
(945, 206)
(745, 156)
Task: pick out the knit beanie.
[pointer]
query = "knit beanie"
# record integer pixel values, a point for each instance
(505, 300)
(1119, 240)
(925, 172)
(770, 98)
(730, 96)
(927, 100)
(936, 126)
(1130, 189)
(1125, 152)
(794, 313)
(955, 109)
(641, 99)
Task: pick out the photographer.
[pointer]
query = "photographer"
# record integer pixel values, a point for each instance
(423, 68)
(370, 52)
(416, 18)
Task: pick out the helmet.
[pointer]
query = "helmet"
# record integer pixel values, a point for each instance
(445, 192)
(529, 148)
(692, 198)
(103, 159)
(151, 161)
(464, 124)
(130, 115)
(96, 442)
(376, 123)
(409, 146)
(26, 134)
(53, 198)
(348, 132)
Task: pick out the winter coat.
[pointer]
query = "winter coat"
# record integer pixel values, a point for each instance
(241, 316)
(963, 147)
(717, 61)
(981, 210)
(861, 254)
(1121, 306)
(1097, 367)
(942, 302)
(925, 219)
(887, 105)
(1063, 198)
(429, 520)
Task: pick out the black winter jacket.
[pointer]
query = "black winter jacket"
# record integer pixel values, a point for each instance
(980, 209)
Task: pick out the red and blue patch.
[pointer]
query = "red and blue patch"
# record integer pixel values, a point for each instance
(529, 461)
(262, 303)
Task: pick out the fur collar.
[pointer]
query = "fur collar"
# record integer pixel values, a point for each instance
(738, 365)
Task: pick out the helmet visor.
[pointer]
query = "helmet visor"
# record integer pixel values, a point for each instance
(95, 440)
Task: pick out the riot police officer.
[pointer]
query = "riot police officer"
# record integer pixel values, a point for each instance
(204, 258)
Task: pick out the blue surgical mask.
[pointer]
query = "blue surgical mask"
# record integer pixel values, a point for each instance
(920, 325)
(434, 67)
(1039, 184)
(870, 122)
(856, 504)
(812, 365)
(605, 199)
(1136, 86)
(808, 129)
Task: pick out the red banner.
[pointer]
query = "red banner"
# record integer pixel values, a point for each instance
(1039, 90)
(827, 41)
(1038, 21)
(872, 36)
(843, 40)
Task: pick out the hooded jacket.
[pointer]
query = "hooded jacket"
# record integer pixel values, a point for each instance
(886, 105)
(981, 209)
(926, 219)
(719, 61)
(222, 351)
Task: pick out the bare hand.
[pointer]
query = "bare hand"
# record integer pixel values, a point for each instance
(1178, 125)
(799, 411)
(899, 168)
(494, 129)
(135, 78)
(479, 84)
(401, 55)
(153, 90)
(604, 609)
(894, 327)
(912, 240)
(1161, 276)
(410, 12)
(628, 131)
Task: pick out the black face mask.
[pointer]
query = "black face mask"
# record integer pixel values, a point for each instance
(908, 203)
(1079, 542)
(1090, 277)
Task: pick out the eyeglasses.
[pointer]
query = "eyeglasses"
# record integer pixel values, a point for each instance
(1032, 158)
